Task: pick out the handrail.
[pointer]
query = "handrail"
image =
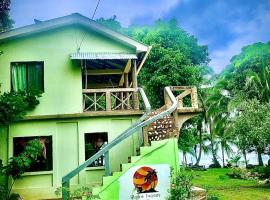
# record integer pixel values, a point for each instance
(109, 90)
(141, 123)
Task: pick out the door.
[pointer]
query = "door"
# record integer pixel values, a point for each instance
(67, 150)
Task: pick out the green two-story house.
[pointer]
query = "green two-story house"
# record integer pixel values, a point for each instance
(88, 77)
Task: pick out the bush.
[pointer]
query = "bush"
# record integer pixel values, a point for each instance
(240, 173)
(14, 105)
(263, 172)
(84, 193)
(18, 165)
(180, 185)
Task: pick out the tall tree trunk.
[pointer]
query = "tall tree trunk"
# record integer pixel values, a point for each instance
(215, 160)
(223, 156)
(245, 156)
(200, 149)
(184, 159)
(260, 160)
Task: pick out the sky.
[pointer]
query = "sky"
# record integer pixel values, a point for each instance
(225, 26)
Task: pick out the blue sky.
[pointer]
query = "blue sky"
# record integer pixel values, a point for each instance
(224, 25)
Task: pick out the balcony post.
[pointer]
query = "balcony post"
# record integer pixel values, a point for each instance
(108, 101)
(127, 93)
(135, 84)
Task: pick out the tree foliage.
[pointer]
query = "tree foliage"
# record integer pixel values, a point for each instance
(176, 57)
(6, 22)
(14, 105)
(17, 165)
(251, 127)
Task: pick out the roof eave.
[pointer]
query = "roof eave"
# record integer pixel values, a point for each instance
(68, 20)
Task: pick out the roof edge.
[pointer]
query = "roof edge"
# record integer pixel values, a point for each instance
(74, 18)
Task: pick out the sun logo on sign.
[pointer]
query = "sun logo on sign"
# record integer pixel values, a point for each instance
(145, 180)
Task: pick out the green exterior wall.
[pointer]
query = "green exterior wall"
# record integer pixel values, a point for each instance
(62, 77)
(68, 151)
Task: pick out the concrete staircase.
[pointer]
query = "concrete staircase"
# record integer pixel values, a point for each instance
(160, 152)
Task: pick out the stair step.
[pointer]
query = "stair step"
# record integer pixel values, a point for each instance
(117, 173)
(135, 158)
(146, 149)
(96, 190)
(107, 179)
(126, 166)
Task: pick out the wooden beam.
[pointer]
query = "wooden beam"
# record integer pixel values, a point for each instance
(86, 114)
(126, 70)
(109, 90)
(144, 59)
(135, 85)
(103, 85)
(98, 72)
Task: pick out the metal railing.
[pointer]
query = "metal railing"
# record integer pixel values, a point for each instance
(142, 122)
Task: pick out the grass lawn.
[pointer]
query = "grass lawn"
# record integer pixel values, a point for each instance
(219, 185)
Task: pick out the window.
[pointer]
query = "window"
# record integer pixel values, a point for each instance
(42, 162)
(27, 75)
(93, 143)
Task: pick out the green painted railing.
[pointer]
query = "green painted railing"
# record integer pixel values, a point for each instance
(135, 127)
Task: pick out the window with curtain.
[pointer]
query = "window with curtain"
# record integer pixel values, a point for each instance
(27, 75)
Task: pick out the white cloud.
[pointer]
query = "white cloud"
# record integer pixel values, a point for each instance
(249, 32)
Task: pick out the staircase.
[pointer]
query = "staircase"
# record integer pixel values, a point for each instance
(161, 130)
(160, 152)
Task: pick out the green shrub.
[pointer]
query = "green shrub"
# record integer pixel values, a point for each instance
(262, 171)
(14, 105)
(240, 173)
(212, 198)
(83, 193)
(18, 165)
(181, 182)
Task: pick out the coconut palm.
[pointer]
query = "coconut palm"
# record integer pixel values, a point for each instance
(259, 84)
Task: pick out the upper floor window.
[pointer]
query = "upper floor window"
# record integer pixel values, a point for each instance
(27, 75)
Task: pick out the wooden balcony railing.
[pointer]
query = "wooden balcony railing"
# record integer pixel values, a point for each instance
(110, 99)
(186, 97)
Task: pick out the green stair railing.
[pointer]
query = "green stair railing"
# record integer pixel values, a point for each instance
(142, 122)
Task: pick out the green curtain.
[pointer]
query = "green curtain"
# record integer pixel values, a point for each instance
(27, 76)
(35, 76)
(19, 79)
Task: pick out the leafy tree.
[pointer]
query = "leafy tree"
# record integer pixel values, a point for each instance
(19, 164)
(187, 140)
(251, 128)
(253, 58)
(6, 22)
(111, 23)
(175, 58)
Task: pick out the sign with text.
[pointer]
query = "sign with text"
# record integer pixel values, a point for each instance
(145, 182)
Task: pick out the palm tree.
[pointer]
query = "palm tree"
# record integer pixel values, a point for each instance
(217, 115)
(259, 84)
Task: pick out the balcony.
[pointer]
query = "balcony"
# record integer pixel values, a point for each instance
(111, 101)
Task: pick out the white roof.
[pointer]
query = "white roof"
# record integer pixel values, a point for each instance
(73, 19)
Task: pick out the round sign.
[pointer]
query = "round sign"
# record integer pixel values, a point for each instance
(145, 180)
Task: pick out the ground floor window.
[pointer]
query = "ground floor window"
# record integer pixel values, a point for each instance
(93, 143)
(44, 161)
